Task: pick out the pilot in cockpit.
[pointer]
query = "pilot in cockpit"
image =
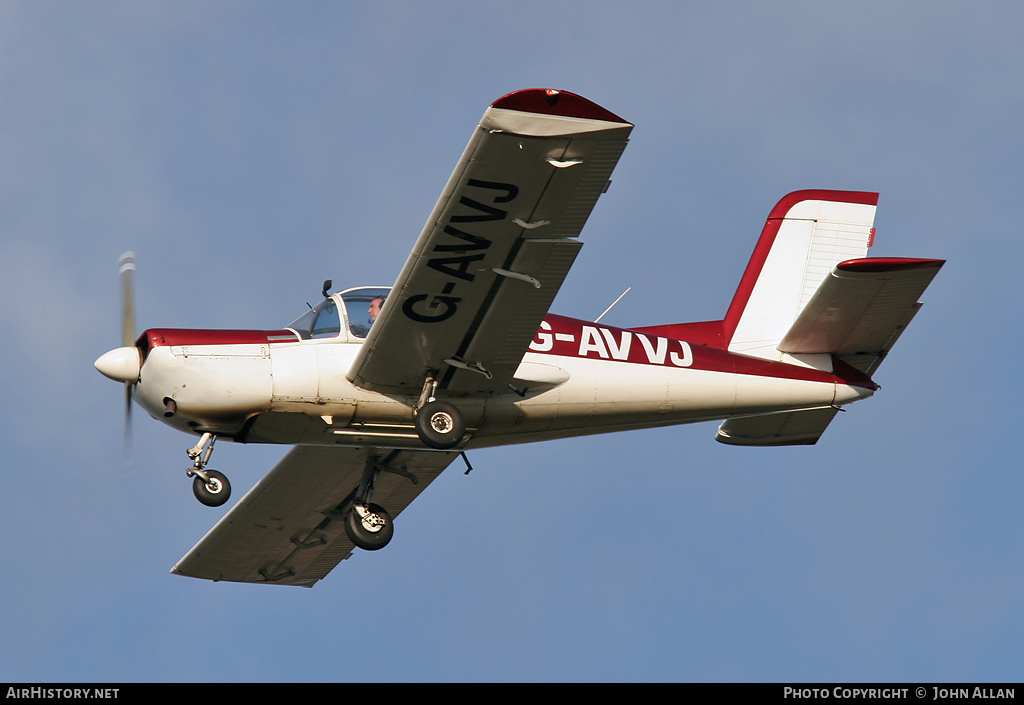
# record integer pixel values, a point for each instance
(361, 331)
(374, 309)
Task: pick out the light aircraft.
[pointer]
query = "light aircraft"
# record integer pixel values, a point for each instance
(380, 388)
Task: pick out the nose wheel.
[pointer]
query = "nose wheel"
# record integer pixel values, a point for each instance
(209, 486)
(214, 490)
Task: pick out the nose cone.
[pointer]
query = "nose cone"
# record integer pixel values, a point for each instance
(120, 364)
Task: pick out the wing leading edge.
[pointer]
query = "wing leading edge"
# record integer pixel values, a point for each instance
(289, 529)
(497, 247)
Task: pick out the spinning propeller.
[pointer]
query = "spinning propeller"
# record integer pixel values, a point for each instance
(124, 364)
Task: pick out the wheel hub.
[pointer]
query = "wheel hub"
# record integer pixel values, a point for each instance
(372, 522)
(442, 422)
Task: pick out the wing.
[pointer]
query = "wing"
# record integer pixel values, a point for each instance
(289, 530)
(497, 247)
(860, 310)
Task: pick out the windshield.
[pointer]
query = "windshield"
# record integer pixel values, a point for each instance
(363, 306)
(322, 321)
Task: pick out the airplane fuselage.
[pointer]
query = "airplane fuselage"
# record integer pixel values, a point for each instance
(577, 378)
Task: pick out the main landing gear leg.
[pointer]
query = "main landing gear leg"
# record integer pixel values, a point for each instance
(368, 525)
(209, 486)
(438, 423)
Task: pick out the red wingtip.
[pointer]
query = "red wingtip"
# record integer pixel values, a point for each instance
(547, 101)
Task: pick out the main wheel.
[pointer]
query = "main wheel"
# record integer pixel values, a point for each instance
(213, 493)
(440, 425)
(371, 532)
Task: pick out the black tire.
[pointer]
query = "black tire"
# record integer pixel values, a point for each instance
(216, 492)
(440, 425)
(372, 532)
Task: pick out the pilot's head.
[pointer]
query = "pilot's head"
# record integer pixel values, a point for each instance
(374, 309)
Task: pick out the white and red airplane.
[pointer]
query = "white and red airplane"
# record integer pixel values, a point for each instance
(465, 355)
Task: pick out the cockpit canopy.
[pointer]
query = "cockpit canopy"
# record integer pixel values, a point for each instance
(357, 312)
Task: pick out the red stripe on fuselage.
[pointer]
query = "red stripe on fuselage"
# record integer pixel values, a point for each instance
(155, 337)
(569, 337)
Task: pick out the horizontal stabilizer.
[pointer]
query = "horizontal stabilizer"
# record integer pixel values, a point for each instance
(790, 428)
(859, 310)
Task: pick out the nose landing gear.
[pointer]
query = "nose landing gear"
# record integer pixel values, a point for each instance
(209, 486)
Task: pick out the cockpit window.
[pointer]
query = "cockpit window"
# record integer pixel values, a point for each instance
(327, 324)
(322, 321)
(363, 306)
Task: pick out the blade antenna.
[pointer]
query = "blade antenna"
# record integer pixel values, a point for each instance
(613, 303)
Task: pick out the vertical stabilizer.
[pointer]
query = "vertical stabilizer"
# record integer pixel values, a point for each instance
(807, 234)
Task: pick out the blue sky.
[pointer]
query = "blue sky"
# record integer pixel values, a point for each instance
(249, 150)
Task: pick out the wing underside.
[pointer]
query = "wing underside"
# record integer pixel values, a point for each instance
(496, 249)
(289, 528)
